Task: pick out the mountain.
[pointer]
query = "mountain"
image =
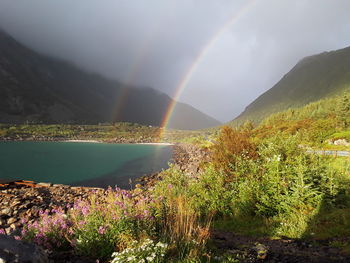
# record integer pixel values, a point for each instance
(38, 88)
(313, 78)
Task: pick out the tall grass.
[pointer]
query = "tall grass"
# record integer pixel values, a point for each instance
(183, 228)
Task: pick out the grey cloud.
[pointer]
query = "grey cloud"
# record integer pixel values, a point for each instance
(154, 42)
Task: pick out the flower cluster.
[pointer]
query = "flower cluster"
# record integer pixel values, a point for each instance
(97, 226)
(145, 252)
(53, 230)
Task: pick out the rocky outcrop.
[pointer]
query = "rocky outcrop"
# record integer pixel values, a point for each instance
(188, 158)
(12, 250)
(341, 142)
(22, 203)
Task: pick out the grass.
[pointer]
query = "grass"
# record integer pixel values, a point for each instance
(327, 224)
(344, 246)
(341, 135)
(248, 226)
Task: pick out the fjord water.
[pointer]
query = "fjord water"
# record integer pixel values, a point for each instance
(81, 164)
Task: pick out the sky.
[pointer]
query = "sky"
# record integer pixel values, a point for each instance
(234, 49)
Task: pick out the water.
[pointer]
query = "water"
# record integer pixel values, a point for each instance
(81, 164)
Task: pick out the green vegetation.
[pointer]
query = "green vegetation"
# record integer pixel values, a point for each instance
(317, 124)
(254, 185)
(313, 78)
(276, 191)
(261, 181)
(118, 132)
(124, 227)
(126, 131)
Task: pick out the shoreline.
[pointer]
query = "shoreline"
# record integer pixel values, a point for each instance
(26, 198)
(156, 143)
(109, 141)
(88, 141)
(83, 141)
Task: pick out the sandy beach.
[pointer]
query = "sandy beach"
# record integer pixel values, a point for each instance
(157, 143)
(91, 141)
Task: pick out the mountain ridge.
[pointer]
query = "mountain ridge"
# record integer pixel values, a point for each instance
(38, 88)
(312, 78)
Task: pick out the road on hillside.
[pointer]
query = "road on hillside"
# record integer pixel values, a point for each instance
(329, 152)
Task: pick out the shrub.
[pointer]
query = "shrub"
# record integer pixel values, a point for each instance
(206, 194)
(210, 194)
(230, 148)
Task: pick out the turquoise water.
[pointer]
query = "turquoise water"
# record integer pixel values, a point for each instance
(85, 164)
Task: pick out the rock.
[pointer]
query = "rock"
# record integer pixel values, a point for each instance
(261, 250)
(12, 250)
(6, 211)
(341, 142)
(45, 184)
(11, 220)
(8, 230)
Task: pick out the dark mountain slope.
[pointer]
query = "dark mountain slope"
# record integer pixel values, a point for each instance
(38, 88)
(313, 78)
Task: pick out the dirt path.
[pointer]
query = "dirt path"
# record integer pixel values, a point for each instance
(251, 249)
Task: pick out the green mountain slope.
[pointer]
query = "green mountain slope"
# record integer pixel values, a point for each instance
(317, 123)
(38, 88)
(313, 78)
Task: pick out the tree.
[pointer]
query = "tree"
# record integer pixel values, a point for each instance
(230, 148)
(345, 110)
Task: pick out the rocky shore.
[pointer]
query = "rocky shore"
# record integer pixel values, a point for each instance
(26, 200)
(186, 157)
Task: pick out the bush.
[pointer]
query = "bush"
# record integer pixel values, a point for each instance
(230, 148)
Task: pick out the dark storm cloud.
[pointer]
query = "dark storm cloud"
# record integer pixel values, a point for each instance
(154, 42)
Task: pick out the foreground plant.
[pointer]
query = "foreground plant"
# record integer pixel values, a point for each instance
(145, 252)
(183, 228)
(53, 230)
(96, 227)
(104, 224)
(110, 223)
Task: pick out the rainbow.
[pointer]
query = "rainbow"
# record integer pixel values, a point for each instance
(203, 52)
(123, 93)
(139, 58)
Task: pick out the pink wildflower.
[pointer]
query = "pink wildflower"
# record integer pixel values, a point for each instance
(101, 230)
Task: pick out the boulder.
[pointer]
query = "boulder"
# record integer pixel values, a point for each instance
(341, 142)
(12, 250)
